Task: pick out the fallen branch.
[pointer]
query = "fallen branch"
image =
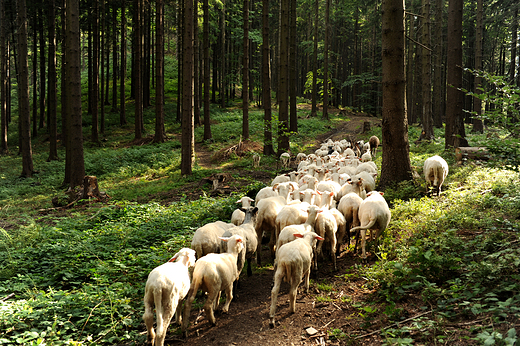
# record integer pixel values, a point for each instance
(8, 297)
(392, 325)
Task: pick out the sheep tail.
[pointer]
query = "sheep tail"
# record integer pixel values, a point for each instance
(369, 226)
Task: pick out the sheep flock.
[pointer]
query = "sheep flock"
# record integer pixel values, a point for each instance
(311, 216)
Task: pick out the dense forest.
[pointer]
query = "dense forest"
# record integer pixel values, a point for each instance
(65, 64)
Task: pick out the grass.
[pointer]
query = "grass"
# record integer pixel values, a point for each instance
(79, 275)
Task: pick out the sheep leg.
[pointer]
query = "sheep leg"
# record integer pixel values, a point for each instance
(272, 242)
(213, 297)
(148, 318)
(278, 277)
(363, 234)
(259, 248)
(229, 297)
(307, 279)
(162, 325)
(187, 310)
(333, 250)
(249, 270)
(178, 313)
(293, 292)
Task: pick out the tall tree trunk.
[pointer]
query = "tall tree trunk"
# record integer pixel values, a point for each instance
(396, 165)
(438, 95)
(314, 95)
(52, 85)
(159, 72)
(102, 99)
(187, 140)
(427, 120)
(410, 68)
(245, 73)
(138, 7)
(23, 90)
(76, 163)
(326, 63)
(293, 82)
(42, 69)
(514, 42)
(223, 77)
(196, 65)
(95, 74)
(266, 81)
(207, 123)
(3, 80)
(455, 135)
(478, 125)
(34, 79)
(114, 57)
(122, 85)
(283, 106)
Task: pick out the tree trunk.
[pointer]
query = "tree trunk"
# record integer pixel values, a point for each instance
(52, 88)
(207, 123)
(245, 73)
(427, 120)
(396, 165)
(3, 80)
(137, 78)
(478, 125)
(455, 134)
(314, 96)
(187, 144)
(95, 73)
(293, 82)
(283, 105)
(23, 90)
(102, 67)
(43, 94)
(159, 72)
(438, 95)
(114, 57)
(196, 65)
(75, 132)
(223, 77)
(410, 67)
(122, 85)
(514, 41)
(34, 79)
(326, 63)
(266, 81)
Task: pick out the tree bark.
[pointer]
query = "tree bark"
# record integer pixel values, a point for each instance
(75, 131)
(266, 81)
(427, 119)
(314, 95)
(245, 73)
(137, 78)
(23, 90)
(122, 84)
(326, 63)
(293, 82)
(196, 65)
(283, 105)
(159, 72)
(455, 134)
(187, 144)
(43, 94)
(207, 123)
(478, 125)
(396, 165)
(3, 80)
(52, 85)
(438, 95)
(95, 73)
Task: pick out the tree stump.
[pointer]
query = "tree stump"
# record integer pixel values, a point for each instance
(366, 126)
(474, 153)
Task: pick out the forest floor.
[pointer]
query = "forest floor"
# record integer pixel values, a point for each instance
(331, 306)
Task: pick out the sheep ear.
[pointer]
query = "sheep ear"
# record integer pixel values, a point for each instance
(174, 258)
(239, 201)
(318, 192)
(318, 237)
(382, 193)
(275, 186)
(298, 235)
(224, 239)
(255, 210)
(331, 194)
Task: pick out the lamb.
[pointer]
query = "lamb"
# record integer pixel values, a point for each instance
(205, 239)
(256, 160)
(268, 209)
(285, 160)
(294, 264)
(166, 287)
(374, 143)
(247, 231)
(237, 218)
(373, 214)
(214, 273)
(435, 171)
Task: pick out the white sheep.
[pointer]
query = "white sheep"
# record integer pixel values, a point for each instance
(287, 233)
(373, 214)
(294, 264)
(237, 218)
(205, 240)
(349, 207)
(247, 231)
(285, 159)
(326, 227)
(268, 209)
(266, 192)
(369, 167)
(214, 273)
(355, 184)
(300, 157)
(435, 171)
(369, 182)
(366, 156)
(166, 287)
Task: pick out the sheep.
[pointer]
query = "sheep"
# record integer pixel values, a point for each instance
(366, 156)
(355, 184)
(214, 273)
(268, 209)
(205, 239)
(268, 191)
(283, 178)
(373, 214)
(435, 171)
(369, 182)
(300, 157)
(374, 143)
(294, 264)
(287, 233)
(237, 218)
(291, 214)
(285, 160)
(329, 185)
(247, 231)
(369, 167)
(349, 207)
(326, 226)
(166, 287)
(256, 160)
